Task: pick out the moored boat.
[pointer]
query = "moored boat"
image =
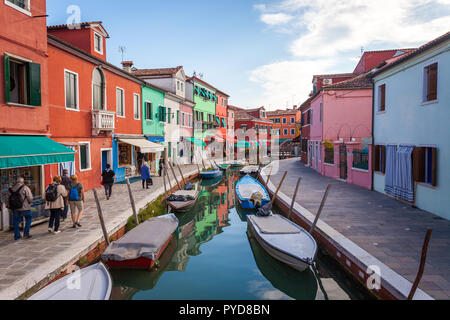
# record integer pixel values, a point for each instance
(251, 193)
(182, 201)
(251, 170)
(284, 240)
(211, 174)
(143, 246)
(92, 283)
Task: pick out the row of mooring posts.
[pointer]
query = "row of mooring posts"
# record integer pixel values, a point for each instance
(320, 210)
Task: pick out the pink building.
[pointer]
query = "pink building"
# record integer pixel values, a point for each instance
(341, 131)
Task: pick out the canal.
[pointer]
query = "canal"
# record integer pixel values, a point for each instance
(214, 259)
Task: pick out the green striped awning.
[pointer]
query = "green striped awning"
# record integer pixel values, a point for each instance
(27, 151)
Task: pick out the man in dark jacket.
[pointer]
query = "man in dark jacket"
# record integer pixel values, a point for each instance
(66, 183)
(21, 197)
(109, 177)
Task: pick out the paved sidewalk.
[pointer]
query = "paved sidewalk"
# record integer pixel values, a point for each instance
(25, 263)
(388, 229)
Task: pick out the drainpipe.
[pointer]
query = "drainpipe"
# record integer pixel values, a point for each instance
(373, 130)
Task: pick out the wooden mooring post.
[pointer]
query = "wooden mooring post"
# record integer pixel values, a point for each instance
(165, 186)
(175, 176)
(268, 177)
(279, 187)
(182, 176)
(133, 205)
(320, 210)
(294, 198)
(100, 216)
(422, 265)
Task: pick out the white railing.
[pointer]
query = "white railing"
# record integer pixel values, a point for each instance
(103, 121)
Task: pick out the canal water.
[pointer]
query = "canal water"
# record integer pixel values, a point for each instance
(214, 259)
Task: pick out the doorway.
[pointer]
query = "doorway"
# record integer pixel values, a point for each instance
(343, 161)
(106, 158)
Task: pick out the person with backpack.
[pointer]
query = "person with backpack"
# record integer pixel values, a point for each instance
(109, 177)
(19, 200)
(55, 200)
(66, 183)
(76, 201)
(146, 176)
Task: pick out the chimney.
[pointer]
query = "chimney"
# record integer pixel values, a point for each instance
(126, 65)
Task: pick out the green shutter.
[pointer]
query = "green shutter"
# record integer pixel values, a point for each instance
(34, 78)
(7, 80)
(178, 117)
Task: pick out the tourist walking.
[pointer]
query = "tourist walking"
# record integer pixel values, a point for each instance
(54, 201)
(19, 200)
(109, 177)
(76, 201)
(146, 176)
(161, 166)
(66, 183)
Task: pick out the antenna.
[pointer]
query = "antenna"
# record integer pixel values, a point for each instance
(200, 75)
(122, 50)
(362, 50)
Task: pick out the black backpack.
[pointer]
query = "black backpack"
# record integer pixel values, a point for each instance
(15, 200)
(51, 194)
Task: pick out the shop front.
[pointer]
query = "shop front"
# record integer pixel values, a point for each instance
(131, 152)
(29, 157)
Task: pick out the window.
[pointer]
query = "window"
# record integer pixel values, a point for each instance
(98, 90)
(321, 112)
(292, 120)
(178, 116)
(382, 98)
(120, 102)
(148, 111)
(169, 115)
(379, 161)
(71, 90)
(137, 106)
(329, 155)
(98, 43)
(277, 120)
(178, 85)
(430, 82)
(21, 5)
(285, 132)
(22, 81)
(182, 86)
(425, 165)
(190, 120)
(162, 116)
(292, 132)
(311, 116)
(361, 159)
(284, 120)
(125, 155)
(85, 156)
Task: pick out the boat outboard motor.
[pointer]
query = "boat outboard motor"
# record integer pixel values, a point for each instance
(265, 211)
(256, 199)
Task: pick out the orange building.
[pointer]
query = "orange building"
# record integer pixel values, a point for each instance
(94, 104)
(285, 123)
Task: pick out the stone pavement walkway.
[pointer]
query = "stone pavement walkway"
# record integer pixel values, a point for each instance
(25, 263)
(388, 229)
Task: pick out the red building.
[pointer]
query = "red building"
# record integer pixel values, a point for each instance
(95, 107)
(25, 148)
(285, 123)
(222, 115)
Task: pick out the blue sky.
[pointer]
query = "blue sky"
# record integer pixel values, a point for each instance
(259, 52)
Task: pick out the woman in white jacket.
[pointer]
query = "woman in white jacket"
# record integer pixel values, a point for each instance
(56, 207)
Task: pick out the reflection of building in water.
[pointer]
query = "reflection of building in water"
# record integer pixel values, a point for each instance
(222, 205)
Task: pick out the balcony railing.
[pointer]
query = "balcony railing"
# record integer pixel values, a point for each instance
(103, 121)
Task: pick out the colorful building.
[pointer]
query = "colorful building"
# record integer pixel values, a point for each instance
(96, 107)
(26, 149)
(285, 123)
(305, 136)
(222, 117)
(411, 127)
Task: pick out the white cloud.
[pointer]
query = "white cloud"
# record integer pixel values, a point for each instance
(276, 18)
(329, 32)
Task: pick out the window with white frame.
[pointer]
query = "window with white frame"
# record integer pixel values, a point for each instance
(430, 82)
(285, 132)
(382, 98)
(148, 111)
(85, 156)
(190, 121)
(137, 106)
(98, 43)
(20, 5)
(292, 120)
(292, 132)
(71, 90)
(120, 102)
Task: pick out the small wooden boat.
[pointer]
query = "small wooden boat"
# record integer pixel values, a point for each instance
(251, 193)
(251, 170)
(142, 247)
(91, 283)
(240, 163)
(297, 285)
(284, 240)
(182, 201)
(211, 174)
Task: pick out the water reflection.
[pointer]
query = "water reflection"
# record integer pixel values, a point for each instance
(214, 259)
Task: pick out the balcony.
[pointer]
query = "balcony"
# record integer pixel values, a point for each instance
(103, 121)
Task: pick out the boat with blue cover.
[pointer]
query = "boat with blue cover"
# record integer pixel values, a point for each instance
(211, 174)
(251, 193)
